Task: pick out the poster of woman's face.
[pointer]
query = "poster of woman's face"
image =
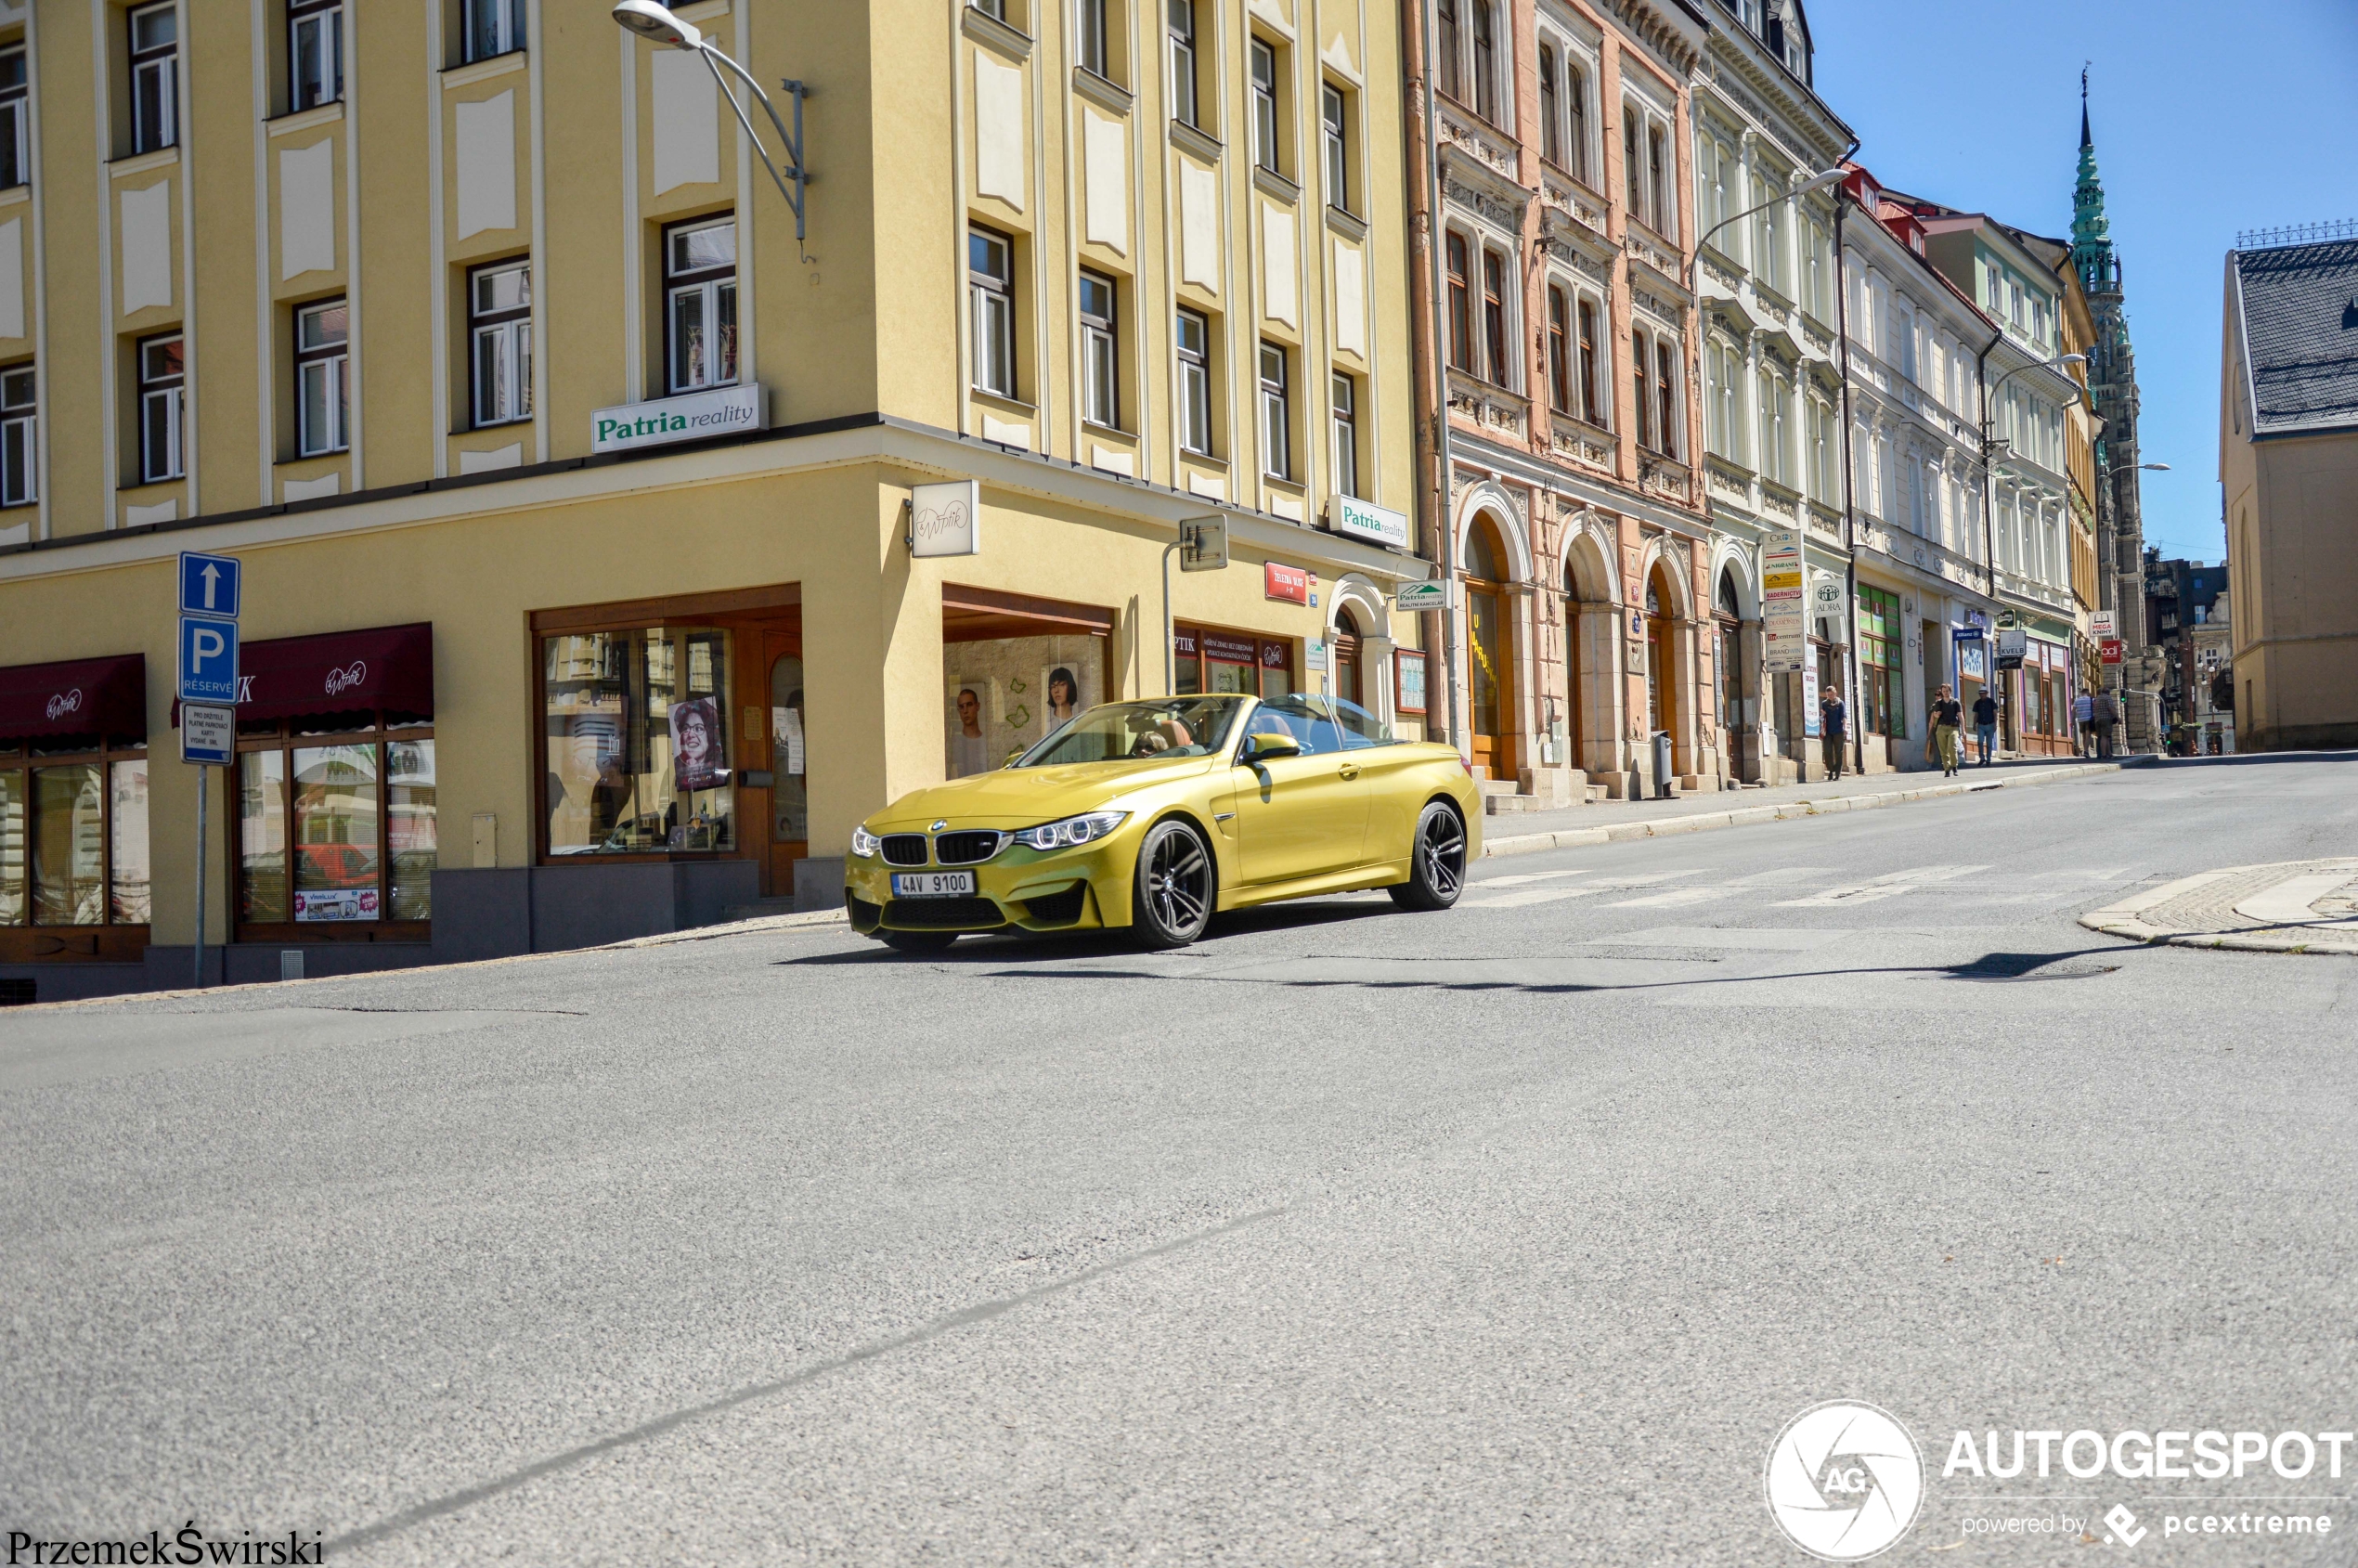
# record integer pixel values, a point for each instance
(1064, 693)
(696, 745)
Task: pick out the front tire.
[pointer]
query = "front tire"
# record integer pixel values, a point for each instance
(1171, 898)
(1436, 862)
(919, 941)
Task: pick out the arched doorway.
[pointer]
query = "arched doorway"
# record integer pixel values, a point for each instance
(1731, 709)
(1489, 652)
(1348, 658)
(1662, 657)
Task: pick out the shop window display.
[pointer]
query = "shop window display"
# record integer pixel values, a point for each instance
(1003, 695)
(1226, 663)
(335, 827)
(74, 838)
(636, 742)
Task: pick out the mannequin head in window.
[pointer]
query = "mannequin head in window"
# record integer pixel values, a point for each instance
(969, 713)
(1064, 695)
(693, 729)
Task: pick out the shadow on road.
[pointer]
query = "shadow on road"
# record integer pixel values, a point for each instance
(998, 946)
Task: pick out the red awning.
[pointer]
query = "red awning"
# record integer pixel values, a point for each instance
(78, 697)
(389, 667)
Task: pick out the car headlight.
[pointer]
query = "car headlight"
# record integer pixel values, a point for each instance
(1071, 830)
(864, 844)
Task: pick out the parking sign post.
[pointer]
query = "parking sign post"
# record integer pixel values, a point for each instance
(212, 591)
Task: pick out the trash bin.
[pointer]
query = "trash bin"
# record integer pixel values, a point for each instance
(1662, 764)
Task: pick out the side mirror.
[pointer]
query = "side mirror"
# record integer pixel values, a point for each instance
(1266, 747)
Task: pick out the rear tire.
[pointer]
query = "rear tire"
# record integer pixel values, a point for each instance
(1171, 898)
(919, 941)
(1436, 862)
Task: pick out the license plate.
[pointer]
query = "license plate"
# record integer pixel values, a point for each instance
(933, 883)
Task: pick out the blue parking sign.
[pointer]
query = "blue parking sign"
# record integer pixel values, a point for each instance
(208, 660)
(209, 584)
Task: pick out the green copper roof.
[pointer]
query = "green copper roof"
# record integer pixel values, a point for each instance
(2091, 233)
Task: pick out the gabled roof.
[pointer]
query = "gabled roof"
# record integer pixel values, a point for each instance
(2297, 313)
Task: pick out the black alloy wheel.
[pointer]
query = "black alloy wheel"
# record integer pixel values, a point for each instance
(1171, 899)
(918, 941)
(1436, 862)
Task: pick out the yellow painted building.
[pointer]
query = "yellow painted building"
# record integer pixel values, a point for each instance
(576, 493)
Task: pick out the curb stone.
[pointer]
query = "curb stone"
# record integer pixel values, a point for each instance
(2128, 919)
(1784, 810)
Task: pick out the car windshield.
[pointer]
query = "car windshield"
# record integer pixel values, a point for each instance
(1320, 724)
(1120, 732)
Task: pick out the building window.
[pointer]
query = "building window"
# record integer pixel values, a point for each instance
(1093, 36)
(700, 282)
(1195, 382)
(1485, 59)
(1666, 397)
(1879, 662)
(20, 424)
(1460, 306)
(636, 723)
(162, 394)
(1559, 351)
(500, 309)
(1592, 379)
(73, 835)
(1632, 181)
(314, 53)
(991, 277)
(1277, 414)
(1101, 360)
(16, 131)
(1577, 118)
(1449, 45)
(1643, 383)
(1658, 181)
(335, 830)
(1334, 128)
(1181, 15)
(493, 27)
(1494, 314)
(1265, 106)
(155, 80)
(1551, 141)
(323, 379)
(1346, 437)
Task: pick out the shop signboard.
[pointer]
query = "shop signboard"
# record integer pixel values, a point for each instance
(1288, 585)
(1784, 611)
(207, 733)
(1430, 594)
(693, 416)
(2100, 626)
(2113, 650)
(1314, 655)
(1363, 520)
(335, 903)
(1408, 680)
(945, 519)
(1812, 721)
(2012, 644)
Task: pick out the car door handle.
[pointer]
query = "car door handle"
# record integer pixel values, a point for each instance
(1349, 771)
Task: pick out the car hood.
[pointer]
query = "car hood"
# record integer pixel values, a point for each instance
(1013, 798)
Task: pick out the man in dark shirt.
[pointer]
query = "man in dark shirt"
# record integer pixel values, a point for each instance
(1946, 716)
(1985, 725)
(1831, 721)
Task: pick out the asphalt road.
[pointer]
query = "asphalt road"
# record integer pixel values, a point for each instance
(1510, 1234)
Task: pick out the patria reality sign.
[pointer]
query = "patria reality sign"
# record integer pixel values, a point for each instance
(724, 410)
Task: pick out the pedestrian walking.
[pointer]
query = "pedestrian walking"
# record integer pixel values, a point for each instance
(1985, 725)
(2083, 720)
(1948, 715)
(1831, 721)
(2106, 711)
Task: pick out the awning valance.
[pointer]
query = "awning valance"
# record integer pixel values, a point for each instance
(387, 668)
(97, 697)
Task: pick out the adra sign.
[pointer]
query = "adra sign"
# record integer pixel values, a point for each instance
(724, 410)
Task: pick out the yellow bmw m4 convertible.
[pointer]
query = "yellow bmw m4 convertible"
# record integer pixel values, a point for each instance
(1154, 815)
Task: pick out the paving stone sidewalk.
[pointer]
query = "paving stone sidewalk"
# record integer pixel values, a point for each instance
(2291, 906)
(1609, 821)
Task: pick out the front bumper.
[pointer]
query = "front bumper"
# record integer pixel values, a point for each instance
(1018, 889)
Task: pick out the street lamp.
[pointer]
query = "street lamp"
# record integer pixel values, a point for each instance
(655, 23)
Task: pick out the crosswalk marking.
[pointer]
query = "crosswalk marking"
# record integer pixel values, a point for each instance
(1677, 897)
(1521, 877)
(1525, 897)
(1887, 886)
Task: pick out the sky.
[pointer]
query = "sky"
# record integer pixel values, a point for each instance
(2209, 119)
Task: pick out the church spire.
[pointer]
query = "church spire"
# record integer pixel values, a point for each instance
(2091, 231)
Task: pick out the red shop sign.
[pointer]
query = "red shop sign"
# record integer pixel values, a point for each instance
(2112, 649)
(1289, 583)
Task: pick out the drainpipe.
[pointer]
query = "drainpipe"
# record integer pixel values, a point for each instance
(1420, 45)
(1990, 536)
(1849, 495)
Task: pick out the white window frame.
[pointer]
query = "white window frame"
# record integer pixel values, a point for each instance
(1180, 31)
(1277, 409)
(1089, 34)
(314, 54)
(1334, 139)
(162, 411)
(1194, 381)
(489, 29)
(1593, 299)
(991, 299)
(713, 293)
(19, 432)
(323, 376)
(155, 113)
(504, 333)
(1100, 354)
(1260, 84)
(16, 123)
(1344, 392)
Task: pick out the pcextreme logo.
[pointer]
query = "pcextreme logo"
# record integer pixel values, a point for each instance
(1844, 1481)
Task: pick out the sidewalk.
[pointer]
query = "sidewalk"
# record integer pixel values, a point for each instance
(2293, 906)
(1609, 821)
